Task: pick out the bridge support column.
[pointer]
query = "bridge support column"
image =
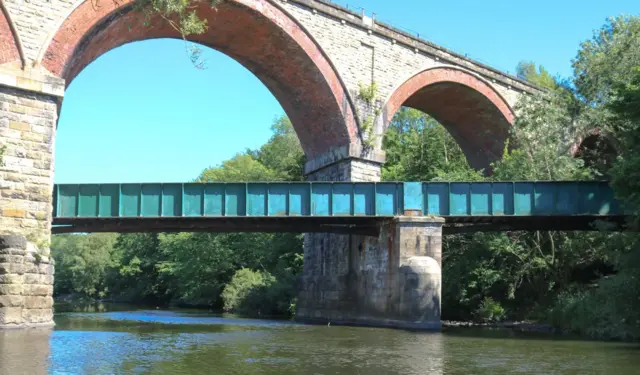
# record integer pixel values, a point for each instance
(393, 280)
(28, 115)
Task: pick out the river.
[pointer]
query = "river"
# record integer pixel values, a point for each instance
(130, 341)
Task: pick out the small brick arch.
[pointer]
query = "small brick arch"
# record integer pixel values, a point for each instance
(475, 114)
(9, 50)
(598, 150)
(591, 137)
(256, 33)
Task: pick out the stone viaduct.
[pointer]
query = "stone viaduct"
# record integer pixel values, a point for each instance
(319, 60)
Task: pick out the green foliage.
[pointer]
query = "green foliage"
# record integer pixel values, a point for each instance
(244, 282)
(282, 154)
(543, 134)
(490, 311)
(626, 108)
(538, 76)
(607, 59)
(83, 263)
(258, 293)
(179, 14)
(240, 168)
(368, 93)
(420, 149)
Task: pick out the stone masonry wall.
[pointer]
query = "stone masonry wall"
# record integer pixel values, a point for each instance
(361, 49)
(26, 284)
(27, 133)
(364, 51)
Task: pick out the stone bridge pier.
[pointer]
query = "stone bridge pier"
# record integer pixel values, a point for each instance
(28, 115)
(393, 280)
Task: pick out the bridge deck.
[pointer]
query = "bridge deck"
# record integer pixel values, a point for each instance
(339, 207)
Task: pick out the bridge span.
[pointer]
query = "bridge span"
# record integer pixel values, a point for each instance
(332, 207)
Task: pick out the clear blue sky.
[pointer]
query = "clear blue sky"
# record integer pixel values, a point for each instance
(143, 113)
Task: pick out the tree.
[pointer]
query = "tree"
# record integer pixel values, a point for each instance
(607, 59)
(420, 149)
(527, 70)
(626, 108)
(83, 263)
(282, 153)
(240, 168)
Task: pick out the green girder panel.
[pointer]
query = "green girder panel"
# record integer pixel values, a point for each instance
(339, 199)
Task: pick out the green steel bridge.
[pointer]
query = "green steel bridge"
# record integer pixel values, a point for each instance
(332, 207)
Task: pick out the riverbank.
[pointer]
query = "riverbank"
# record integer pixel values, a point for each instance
(516, 326)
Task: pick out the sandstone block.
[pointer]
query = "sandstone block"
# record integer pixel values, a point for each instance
(37, 290)
(8, 241)
(11, 279)
(9, 289)
(15, 268)
(11, 301)
(37, 302)
(10, 315)
(37, 315)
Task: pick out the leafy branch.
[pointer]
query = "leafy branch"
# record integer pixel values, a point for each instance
(180, 15)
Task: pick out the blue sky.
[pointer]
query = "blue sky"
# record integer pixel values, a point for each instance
(143, 113)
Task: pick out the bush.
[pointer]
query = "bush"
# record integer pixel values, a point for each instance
(244, 281)
(256, 293)
(599, 313)
(490, 311)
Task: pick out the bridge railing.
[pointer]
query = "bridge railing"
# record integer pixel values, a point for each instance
(557, 198)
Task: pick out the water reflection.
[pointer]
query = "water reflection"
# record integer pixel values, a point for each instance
(25, 351)
(164, 342)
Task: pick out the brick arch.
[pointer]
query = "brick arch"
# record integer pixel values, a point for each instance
(592, 136)
(475, 114)
(9, 45)
(256, 33)
(599, 150)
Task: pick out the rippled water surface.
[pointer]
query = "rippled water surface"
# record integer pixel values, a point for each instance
(184, 342)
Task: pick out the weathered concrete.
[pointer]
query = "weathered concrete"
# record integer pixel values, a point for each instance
(393, 280)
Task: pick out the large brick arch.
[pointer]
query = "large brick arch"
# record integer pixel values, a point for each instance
(9, 48)
(256, 33)
(475, 114)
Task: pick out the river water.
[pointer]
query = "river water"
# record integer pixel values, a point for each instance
(187, 342)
